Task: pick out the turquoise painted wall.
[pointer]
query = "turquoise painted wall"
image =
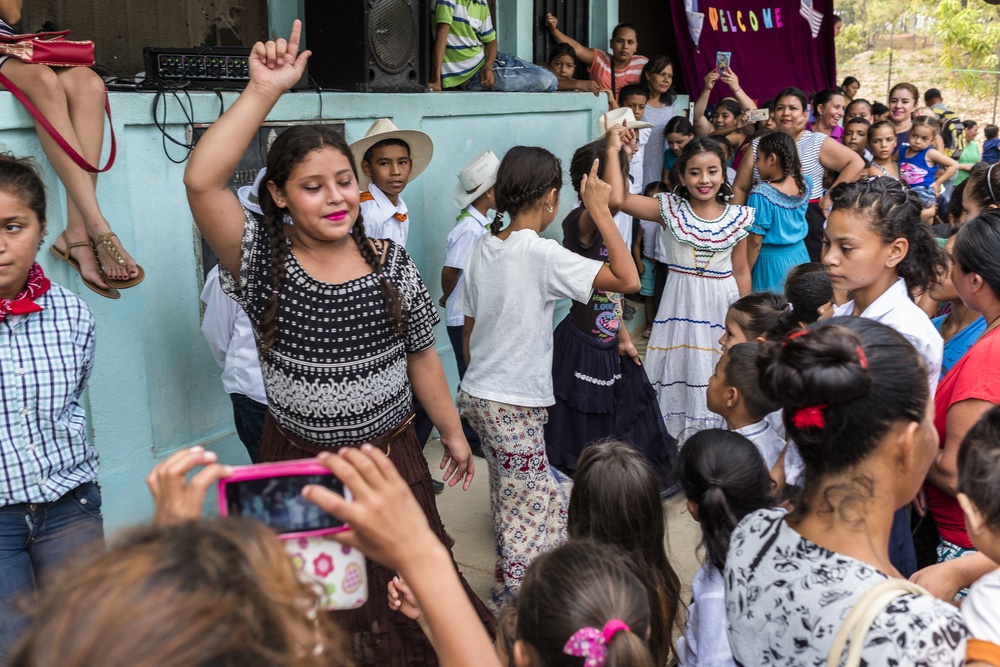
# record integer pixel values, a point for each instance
(155, 387)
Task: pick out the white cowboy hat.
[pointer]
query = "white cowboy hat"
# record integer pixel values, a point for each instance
(476, 177)
(421, 147)
(247, 194)
(619, 116)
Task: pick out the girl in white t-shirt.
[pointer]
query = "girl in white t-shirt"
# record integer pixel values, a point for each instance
(513, 279)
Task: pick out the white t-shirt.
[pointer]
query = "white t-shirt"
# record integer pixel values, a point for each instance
(511, 288)
(895, 309)
(981, 609)
(765, 439)
(470, 227)
(378, 215)
(227, 329)
(705, 643)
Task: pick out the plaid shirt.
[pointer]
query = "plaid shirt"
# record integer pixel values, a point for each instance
(45, 362)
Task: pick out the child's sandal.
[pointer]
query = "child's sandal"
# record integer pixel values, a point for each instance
(109, 246)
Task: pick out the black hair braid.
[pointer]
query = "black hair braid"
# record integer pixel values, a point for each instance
(279, 250)
(783, 147)
(497, 223)
(398, 317)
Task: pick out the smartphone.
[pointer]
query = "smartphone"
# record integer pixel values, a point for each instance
(757, 115)
(272, 494)
(722, 59)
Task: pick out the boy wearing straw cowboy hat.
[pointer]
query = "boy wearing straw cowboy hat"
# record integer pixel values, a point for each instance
(389, 158)
(474, 197)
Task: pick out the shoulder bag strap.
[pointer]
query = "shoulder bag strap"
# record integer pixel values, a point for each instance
(859, 621)
(59, 139)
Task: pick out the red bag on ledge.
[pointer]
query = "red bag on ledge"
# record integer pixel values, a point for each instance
(48, 48)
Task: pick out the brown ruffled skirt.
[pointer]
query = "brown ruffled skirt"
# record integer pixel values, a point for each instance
(382, 637)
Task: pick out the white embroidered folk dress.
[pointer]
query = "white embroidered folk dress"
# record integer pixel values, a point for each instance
(683, 346)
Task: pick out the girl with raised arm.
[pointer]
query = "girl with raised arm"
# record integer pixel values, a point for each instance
(344, 324)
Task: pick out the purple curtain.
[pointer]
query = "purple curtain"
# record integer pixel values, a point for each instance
(772, 42)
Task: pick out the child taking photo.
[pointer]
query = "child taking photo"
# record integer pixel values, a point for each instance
(344, 325)
(704, 241)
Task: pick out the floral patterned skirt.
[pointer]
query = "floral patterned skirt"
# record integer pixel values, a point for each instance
(528, 497)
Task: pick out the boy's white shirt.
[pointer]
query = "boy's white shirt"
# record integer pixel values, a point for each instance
(981, 608)
(765, 439)
(379, 223)
(461, 240)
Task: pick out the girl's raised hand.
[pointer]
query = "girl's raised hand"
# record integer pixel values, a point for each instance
(730, 79)
(618, 136)
(595, 193)
(278, 64)
(710, 79)
(551, 21)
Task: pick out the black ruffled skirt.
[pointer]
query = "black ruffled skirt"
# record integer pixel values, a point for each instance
(600, 395)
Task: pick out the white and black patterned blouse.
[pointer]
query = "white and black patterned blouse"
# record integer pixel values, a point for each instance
(336, 374)
(786, 598)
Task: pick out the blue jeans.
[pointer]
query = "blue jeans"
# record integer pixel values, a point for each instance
(35, 541)
(513, 75)
(249, 417)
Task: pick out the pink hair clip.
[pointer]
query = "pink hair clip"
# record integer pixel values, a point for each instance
(591, 644)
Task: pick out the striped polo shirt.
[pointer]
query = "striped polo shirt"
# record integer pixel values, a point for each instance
(470, 28)
(600, 71)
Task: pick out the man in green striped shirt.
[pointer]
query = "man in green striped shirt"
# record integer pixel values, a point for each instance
(466, 54)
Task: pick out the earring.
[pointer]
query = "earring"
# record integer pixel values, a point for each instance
(549, 209)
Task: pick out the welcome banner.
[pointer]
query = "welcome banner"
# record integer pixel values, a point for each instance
(774, 43)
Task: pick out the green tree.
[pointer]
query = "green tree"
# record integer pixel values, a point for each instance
(969, 33)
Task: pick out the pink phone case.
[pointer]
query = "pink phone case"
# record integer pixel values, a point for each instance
(264, 471)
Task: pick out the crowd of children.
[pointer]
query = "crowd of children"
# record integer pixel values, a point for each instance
(794, 388)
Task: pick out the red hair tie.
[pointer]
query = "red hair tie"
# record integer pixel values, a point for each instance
(810, 417)
(792, 336)
(862, 359)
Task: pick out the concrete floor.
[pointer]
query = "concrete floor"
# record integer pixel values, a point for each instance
(466, 516)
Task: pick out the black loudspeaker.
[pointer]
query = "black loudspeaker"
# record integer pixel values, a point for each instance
(368, 46)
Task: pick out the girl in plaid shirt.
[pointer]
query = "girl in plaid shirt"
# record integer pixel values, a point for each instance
(50, 507)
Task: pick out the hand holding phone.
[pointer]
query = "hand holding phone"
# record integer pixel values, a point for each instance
(722, 59)
(272, 494)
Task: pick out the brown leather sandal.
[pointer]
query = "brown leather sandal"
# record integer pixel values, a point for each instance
(107, 292)
(104, 241)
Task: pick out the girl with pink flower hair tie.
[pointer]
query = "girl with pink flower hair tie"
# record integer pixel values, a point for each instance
(580, 605)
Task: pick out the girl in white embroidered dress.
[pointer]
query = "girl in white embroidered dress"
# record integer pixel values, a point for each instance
(705, 246)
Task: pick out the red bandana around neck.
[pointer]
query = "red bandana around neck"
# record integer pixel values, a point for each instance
(24, 303)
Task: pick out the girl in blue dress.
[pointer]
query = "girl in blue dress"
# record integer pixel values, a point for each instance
(775, 244)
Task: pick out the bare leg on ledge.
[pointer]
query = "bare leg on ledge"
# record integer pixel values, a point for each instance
(72, 99)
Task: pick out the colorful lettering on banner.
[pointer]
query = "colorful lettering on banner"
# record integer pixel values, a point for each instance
(721, 20)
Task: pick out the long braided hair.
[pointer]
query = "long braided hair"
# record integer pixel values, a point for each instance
(783, 147)
(525, 175)
(288, 151)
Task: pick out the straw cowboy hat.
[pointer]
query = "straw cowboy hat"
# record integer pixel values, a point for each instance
(476, 177)
(619, 116)
(421, 148)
